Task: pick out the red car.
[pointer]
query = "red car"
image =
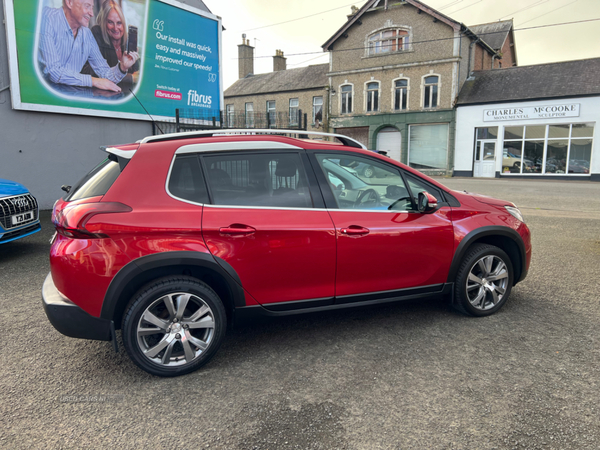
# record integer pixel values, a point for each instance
(174, 238)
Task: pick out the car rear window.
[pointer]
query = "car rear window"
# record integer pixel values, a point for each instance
(97, 182)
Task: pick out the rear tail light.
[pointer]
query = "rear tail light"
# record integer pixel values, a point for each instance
(70, 221)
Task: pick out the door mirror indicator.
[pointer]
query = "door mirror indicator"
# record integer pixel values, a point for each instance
(427, 202)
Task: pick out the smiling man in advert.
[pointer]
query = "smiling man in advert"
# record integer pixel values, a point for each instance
(66, 44)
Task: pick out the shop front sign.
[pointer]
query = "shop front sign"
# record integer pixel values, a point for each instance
(531, 112)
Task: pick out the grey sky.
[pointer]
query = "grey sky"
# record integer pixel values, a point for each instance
(304, 37)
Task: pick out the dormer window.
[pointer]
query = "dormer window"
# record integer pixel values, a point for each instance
(387, 41)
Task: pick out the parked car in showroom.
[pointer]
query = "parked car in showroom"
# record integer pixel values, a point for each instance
(18, 212)
(177, 237)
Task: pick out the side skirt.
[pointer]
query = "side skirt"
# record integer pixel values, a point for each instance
(247, 314)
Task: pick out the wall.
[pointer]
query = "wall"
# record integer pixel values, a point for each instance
(46, 150)
(470, 117)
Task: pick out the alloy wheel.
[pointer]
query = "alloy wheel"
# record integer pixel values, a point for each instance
(487, 282)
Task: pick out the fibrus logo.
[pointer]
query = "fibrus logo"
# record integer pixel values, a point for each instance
(201, 100)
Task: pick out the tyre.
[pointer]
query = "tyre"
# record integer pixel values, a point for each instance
(369, 172)
(173, 326)
(483, 281)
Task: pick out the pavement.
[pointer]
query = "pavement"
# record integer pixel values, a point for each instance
(413, 375)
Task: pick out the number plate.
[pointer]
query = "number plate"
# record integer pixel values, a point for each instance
(18, 219)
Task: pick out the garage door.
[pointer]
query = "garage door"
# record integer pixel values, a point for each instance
(390, 140)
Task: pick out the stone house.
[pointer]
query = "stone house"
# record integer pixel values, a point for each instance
(279, 99)
(395, 70)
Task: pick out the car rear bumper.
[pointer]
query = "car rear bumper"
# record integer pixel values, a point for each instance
(70, 319)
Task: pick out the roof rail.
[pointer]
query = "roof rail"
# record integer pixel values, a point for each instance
(345, 140)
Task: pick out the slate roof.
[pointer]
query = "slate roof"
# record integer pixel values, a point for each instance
(311, 77)
(543, 81)
(494, 34)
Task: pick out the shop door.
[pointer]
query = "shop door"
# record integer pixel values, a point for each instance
(390, 140)
(485, 159)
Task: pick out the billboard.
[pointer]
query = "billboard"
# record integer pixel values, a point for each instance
(113, 58)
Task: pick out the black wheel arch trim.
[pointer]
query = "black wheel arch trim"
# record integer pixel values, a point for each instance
(140, 265)
(492, 230)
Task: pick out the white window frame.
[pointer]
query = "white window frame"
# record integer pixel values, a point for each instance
(294, 117)
(249, 114)
(351, 109)
(272, 111)
(439, 91)
(547, 138)
(230, 115)
(372, 92)
(314, 112)
(407, 94)
(374, 47)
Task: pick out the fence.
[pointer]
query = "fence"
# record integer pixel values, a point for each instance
(193, 120)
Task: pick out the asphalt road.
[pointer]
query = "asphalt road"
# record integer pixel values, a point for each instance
(415, 375)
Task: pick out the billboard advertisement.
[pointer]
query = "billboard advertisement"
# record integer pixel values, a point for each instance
(113, 58)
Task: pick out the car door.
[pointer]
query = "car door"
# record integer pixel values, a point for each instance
(267, 220)
(383, 244)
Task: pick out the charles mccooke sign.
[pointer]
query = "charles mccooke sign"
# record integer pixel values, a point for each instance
(531, 112)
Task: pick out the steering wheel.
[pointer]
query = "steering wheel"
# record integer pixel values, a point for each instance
(367, 199)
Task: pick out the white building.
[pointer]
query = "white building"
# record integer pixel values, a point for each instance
(530, 121)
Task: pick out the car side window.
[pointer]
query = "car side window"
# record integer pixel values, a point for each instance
(262, 180)
(359, 182)
(416, 185)
(186, 180)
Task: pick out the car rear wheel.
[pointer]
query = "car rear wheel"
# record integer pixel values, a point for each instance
(484, 280)
(173, 326)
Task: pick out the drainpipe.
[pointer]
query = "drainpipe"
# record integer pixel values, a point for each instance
(470, 54)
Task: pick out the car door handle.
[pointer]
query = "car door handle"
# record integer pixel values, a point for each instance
(237, 229)
(355, 230)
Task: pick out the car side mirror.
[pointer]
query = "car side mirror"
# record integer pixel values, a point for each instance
(427, 202)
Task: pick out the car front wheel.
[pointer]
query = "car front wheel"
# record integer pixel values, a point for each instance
(173, 326)
(484, 280)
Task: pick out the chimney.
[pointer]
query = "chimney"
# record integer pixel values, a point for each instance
(278, 61)
(246, 58)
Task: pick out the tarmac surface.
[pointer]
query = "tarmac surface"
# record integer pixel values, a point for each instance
(413, 375)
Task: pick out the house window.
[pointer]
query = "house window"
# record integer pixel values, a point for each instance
(430, 91)
(317, 113)
(372, 97)
(400, 95)
(249, 115)
(346, 99)
(230, 116)
(294, 112)
(271, 114)
(386, 41)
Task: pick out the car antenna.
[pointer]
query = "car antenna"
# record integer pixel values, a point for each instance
(151, 118)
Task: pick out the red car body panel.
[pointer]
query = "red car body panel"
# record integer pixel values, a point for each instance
(290, 256)
(401, 250)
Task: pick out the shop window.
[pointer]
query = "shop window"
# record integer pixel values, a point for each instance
(428, 146)
(430, 91)
(548, 149)
(372, 96)
(294, 103)
(401, 94)
(388, 41)
(346, 99)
